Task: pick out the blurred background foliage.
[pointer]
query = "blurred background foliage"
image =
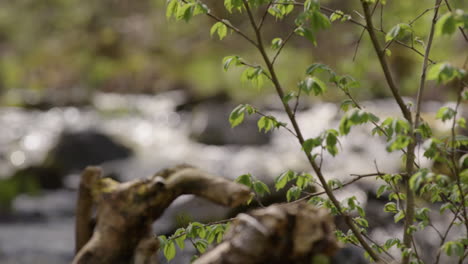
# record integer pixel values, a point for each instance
(56, 52)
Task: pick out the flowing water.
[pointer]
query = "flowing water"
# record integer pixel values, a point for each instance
(42, 231)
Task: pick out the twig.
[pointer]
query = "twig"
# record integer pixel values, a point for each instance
(260, 24)
(364, 30)
(444, 237)
(383, 62)
(282, 45)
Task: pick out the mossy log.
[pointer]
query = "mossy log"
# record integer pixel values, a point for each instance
(287, 233)
(126, 211)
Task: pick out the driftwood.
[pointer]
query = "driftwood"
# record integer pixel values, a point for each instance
(126, 211)
(278, 234)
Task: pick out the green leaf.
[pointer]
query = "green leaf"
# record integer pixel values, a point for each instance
(237, 115)
(331, 141)
(201, 245)
(353, 118)
(185, 11)
(318, 68)
(311, 143)
(345, 104)
(444, 73)
(390, 207)
(445, 113)
(245, 179)
(260, 188)
(169, 250)
(227, 61)
(265, 123)
(339, 15)
(293, 193)
(312, 84)
(233, 4)
(319, 21)
(171, 10)
(288, 97)
(284, 178)
(307, 33)
(446, 25)
(276, 43)
(382, 189)
(181, 236)
(219, 27)
(361, 221)
(253, 74)
(453, 248)
(398, 216)
(398, 32)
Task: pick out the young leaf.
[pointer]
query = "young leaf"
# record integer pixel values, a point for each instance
(237, 115)
(398, 32)
(169, 250)
(445, 113)
(260, 188)
(444, 73)
(227, 61)
(293, 193)
(311, 143)
(233, 4)
(201, 245)
(339, 15)
(265, 123)
(276, 43)
(318, 68)
(312, 84)
(171, 10)
(307, 33)
(219, 27)
(245, 179)
(319, 21)
(446, 25)
(283, 179)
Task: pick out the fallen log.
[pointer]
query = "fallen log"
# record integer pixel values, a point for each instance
(283, 233)
(126, 211)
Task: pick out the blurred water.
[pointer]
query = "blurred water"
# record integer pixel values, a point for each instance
(160, 137)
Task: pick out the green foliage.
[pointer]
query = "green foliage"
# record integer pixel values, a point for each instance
(449, 22)
(444, 73)
(219, 27)
(448, 191)
(312, 84)
(399, 32)
(354, 118)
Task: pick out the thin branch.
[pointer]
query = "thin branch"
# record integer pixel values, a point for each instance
(444, 237)
(383, 62)
(454, 161)
(353, 21)
(425, 64)
(260, 24)
(282, 46)
(357, 178)
(288, 110)
(423, 13)
(297, 101)
(364, 30)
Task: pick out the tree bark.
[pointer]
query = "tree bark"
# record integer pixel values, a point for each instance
(287, 233)
(126, 211)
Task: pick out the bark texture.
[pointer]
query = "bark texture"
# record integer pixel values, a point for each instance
(126, 211)
(288, 233)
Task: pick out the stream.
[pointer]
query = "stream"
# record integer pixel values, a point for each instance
(41, 228)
